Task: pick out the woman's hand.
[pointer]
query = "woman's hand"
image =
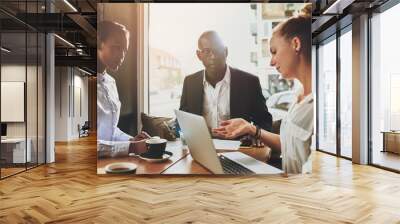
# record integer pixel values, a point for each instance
(142, 135)
(233, 128)
(138, 143)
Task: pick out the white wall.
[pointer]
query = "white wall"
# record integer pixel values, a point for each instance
(33, 126)
(17, 73)
(80, 112)
(12, 73)
(71, 94)
(61, 103)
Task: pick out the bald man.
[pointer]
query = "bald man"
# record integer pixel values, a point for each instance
(220, 92)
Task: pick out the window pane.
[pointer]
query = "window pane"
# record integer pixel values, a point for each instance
(32, 98)
(13, 84)
(346, 94)
(385, 115)
(172, 51)
(327, 97)
(23, 87)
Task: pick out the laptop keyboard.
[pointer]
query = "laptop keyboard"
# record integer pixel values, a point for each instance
(231, 167)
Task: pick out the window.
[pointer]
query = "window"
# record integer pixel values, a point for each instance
(265, 48)
(267, 29)
(273, 11)
(173, 40)
(327, 96)
(253, 56)
(22, 70)
(385, 89)
(346, 94)
(274, 24)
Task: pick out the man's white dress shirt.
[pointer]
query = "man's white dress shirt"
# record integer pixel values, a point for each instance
(216, 100)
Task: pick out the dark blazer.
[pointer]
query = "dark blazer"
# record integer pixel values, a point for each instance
(247, 100)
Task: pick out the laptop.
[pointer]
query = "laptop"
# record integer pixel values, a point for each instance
(202, 149)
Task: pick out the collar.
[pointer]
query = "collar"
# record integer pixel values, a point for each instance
(226, 79)
(101, 76)
(104, 77)
(309, 98)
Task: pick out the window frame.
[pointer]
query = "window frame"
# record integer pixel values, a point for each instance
(333, 37)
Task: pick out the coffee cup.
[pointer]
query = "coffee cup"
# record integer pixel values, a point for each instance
(155, 147)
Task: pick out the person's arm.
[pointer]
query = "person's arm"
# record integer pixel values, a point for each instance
(260, 113)
(121, 148)
(233, 128)
(125, 145)
(268, 138)
(120, 135)
(112, 148)
(183, 106)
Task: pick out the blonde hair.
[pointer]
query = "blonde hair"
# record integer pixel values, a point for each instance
(306, 10)
(297, 26)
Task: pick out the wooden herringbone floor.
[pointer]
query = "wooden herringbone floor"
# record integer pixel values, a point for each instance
(69, 191)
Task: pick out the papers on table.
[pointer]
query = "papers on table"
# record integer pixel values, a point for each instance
(226, 144)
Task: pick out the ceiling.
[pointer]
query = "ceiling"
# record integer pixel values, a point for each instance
(75, 21)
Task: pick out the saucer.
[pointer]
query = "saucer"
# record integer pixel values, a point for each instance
(120, 167)
(165, 157)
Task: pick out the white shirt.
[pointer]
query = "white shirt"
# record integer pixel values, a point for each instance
(108, 110)
(216, 101)
(295, 134)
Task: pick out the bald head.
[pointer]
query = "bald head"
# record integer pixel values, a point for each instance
(211, 36)
(212, 53)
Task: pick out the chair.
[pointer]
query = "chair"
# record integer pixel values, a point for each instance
(84, 130)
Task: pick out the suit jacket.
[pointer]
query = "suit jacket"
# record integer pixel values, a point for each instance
(247, 100)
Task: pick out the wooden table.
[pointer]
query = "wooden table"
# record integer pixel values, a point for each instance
(145, 167)
(391, 141)
(180, 162)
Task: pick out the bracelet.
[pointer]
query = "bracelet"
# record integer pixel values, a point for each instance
(258, 132)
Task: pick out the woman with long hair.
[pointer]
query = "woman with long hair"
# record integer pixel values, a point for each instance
(290, 48)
